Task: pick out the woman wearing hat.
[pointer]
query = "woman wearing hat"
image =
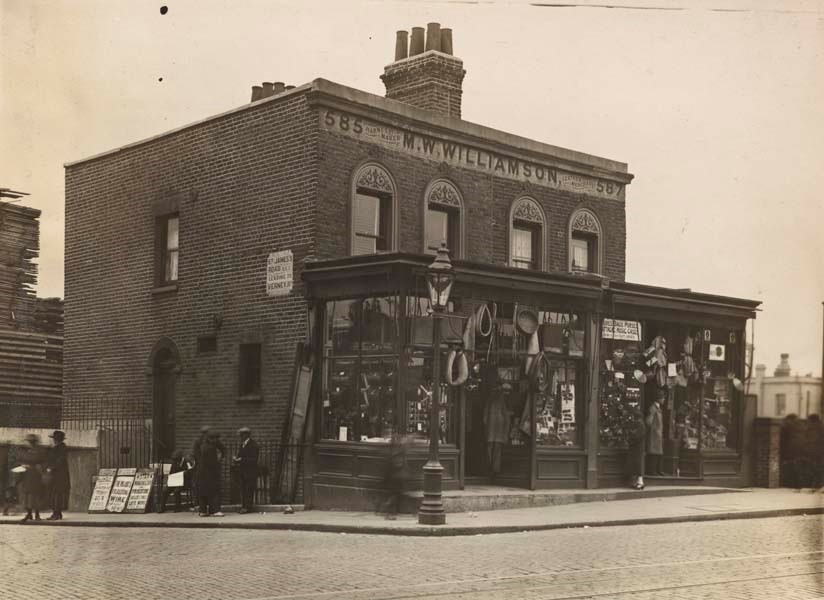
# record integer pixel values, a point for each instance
(31, 485)
(57, 467)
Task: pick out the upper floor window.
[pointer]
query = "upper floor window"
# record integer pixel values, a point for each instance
(168, 234)
(373, 211)
(443, 218)
(780, 404)
(527, 235)
(585, 242)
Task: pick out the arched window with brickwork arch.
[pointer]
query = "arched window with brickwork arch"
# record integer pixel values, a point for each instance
(373, 210)
(443, 218)
(527, 235)
(585, 242)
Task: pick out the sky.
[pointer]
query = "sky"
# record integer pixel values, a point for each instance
(716, 106)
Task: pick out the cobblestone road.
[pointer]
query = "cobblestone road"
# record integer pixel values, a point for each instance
(779, 558)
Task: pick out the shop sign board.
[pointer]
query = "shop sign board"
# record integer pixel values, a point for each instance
(616, 329)
(120, 490)
(279, 273)
(441, 150)
(102, 487)
(141, 491)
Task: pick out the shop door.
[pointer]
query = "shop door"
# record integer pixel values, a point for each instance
(163, 405)
(475, 444)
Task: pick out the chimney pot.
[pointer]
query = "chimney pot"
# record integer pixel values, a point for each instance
(446, 40)
(416, 45)
(257, 91)
(278, 88)
(267, 89)
(433, 36)
(401, 45)
(289, 87)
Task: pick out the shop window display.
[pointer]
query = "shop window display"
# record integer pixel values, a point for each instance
(622, 370)
(417, 394)
(361, 369)
(556, 408)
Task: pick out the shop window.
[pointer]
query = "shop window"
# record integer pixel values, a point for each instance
(373, 211)
(558, 409)
(168, 229)
(418, 396)
(585, 242)
(443, 218)
(527, 235)
(621, 387)
(249, 370)
(780, 405)
(361, 351)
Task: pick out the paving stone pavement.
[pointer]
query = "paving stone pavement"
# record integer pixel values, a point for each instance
(777, 558)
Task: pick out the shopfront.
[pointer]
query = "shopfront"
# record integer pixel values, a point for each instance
(539, 372)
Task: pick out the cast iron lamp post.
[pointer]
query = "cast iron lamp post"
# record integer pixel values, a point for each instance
(439, 279)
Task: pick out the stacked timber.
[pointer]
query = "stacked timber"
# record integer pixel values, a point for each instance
(19, 247)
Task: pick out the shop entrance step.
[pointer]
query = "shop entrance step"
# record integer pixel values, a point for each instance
(475, 498)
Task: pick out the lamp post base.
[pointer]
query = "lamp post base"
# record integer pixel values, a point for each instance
(431, 510)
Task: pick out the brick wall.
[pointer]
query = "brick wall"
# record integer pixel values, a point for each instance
(431, 80)
(767, 446)
(246, 184)
(487, 200)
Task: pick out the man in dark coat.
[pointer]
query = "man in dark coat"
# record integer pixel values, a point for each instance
(207, 471)
(246, 462)
(57, 468)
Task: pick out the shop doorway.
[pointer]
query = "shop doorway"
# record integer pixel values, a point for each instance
(164, 372)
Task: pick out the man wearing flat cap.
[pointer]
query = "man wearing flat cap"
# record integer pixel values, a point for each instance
(246, 462)
(57, 466)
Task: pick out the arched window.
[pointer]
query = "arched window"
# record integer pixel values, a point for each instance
(443, 218)
(527, 235)
(585, 247)
(373, 211)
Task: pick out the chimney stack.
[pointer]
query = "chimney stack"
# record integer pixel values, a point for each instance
(783, 368)
(257, 92)
(426, 75)
(401, 45)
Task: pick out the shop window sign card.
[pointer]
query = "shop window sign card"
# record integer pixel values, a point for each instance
(567, 403)
(141, 491)
(120, 490)
(616, 329)
(717, 352)
(102, 487)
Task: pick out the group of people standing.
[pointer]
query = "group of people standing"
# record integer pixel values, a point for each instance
(208, 454)
(43, 477)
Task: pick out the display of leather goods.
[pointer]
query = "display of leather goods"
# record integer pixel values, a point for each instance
(553, 337)
(507, 374)
(469, 334)
(576, 342)
(640, 376)
(532, 350)
(539, 374)
(483, 320)
(688, 346)
(681, 380)
(618, 358)
(688, 365)
(738, 384)
(463, 368)
(527, 320)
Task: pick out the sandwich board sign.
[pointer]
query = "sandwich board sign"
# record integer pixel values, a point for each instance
(120, 490)
(102, 487)
(141, 491)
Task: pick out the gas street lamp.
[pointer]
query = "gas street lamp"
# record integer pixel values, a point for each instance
(439, 279)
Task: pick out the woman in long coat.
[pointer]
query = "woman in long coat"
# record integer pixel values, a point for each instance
(57, 466)
(208, 475)
(636, 434)
(31, 487)
(655, 436)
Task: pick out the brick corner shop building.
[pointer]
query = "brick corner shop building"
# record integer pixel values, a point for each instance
(196, 260)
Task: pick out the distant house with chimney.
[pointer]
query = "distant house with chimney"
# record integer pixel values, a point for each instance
(31, 328)
(786, 393)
